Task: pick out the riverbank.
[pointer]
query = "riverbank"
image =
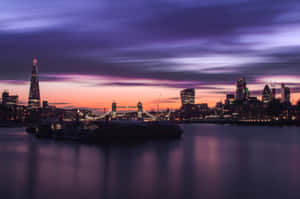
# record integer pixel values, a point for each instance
(247, 122)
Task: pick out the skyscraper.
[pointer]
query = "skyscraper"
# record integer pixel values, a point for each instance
(242, 92)
(229, 99)
(9, 100)
(187, 96)
(267, 95)
(285, 94)
(34, 93)
(273, 93)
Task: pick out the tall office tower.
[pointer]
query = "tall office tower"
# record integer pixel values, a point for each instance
(282, 93)
(273, 93)
(267, 95)
(187, 96)
(114, 110)
(5, 94)
(285, 94)
(242, 92)
(9, 100)
(247, 96)
(34, 93)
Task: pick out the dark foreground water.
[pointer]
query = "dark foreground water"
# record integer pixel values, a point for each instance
(211, 161)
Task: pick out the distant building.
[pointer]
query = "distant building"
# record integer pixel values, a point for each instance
(285, 94)
(253, 100)
(267, 95)
(34, 93)
(247, 95)
(229, 99)
(254, 108)
(9, 108)
(242, 92)
(45, 104)
(9, 99)
(273, 93)
(202, 107)
(219, 106)
(187, 96)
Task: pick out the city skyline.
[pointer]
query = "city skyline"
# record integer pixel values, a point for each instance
(187, 95)
(94, 53)
(240, 87)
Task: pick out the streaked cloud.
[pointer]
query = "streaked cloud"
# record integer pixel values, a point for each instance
(139, 43)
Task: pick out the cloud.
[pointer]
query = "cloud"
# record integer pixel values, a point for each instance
(59, 103)
(16, 82)
(170, 40)
(166, 100)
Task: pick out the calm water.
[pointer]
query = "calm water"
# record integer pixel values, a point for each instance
(211, 161)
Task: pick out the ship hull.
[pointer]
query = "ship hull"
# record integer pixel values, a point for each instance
(102, 131)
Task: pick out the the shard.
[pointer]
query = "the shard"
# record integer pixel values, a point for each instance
(34, 101)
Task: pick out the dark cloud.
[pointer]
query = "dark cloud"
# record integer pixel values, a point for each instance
(18, 82)
(137, 40)
(216, 20)
(59, 103)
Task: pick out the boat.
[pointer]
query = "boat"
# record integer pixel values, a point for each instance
(97, 131)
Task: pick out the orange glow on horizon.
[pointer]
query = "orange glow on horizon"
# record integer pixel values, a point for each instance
(65, 94)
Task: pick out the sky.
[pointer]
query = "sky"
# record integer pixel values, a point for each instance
(94, 52)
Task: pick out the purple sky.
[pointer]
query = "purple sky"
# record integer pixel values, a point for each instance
(177, 43)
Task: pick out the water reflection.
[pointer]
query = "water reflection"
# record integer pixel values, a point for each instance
(49, 169)
(211, 161)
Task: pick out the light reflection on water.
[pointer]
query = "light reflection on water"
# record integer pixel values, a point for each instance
(211, 161)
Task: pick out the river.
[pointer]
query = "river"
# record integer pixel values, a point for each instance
(210, 161)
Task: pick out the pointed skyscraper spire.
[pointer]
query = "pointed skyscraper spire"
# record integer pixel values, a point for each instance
(34, 93)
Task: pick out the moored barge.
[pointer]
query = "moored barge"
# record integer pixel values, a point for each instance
(97, 131)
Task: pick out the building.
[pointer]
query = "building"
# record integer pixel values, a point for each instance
(267, 95)
(247, 95)
(219, 106)
(253, 100)
(9, 100)
(285, 94)
(9, 108)
(203, 107)
(187, 96)
(242, 92)
(34, 93)
(45, 104)
(229, 99)
(273, 93)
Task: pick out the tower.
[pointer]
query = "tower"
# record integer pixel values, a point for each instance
(114, 110)
(140, 111)
(285, 94)
(267, 95)
(273, 93)
(242, 92)
(34, 92)
(187, 96)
